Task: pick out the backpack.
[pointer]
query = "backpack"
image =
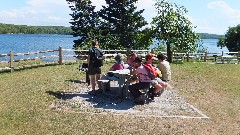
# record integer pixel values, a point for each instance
(152, 73)
(96, 57)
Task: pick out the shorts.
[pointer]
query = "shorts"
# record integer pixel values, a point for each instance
(94, 70)
(156, 81)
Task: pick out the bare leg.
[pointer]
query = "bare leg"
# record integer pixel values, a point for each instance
(97, 78)
(158, 88)
(163, 84)
(93, 81)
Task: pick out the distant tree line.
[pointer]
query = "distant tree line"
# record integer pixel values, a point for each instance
(209, 36)
(24, 29)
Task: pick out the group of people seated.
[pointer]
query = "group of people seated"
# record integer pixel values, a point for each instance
(139, 71)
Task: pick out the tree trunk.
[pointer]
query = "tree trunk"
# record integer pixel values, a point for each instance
(169, 53)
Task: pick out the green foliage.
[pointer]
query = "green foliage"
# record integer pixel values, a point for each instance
(144, 39)
(232, 39)
(171, 26)
(24, 29)
(123, 22)
(221, 42)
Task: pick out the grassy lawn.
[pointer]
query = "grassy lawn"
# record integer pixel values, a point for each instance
(25, 103)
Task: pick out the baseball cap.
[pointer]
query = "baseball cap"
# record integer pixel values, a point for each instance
(150, 56)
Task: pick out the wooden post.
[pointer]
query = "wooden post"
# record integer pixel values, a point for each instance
(187, 57)
(60, 55)
(238, 57)
(205, 57)
(11, 61)
(222, 58)
(172, 55)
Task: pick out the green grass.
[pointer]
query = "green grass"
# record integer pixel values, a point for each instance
(25, 103)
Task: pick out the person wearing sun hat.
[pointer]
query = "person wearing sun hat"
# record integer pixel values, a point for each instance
(118, 65)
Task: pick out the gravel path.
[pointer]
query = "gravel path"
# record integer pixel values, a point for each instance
(169, 104)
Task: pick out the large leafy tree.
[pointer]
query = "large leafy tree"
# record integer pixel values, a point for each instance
(123, 22)
(231, 39)
(85, 22)
(171, 26)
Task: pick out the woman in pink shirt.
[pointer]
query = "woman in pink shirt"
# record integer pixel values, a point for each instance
(118, 65)
(143, 81)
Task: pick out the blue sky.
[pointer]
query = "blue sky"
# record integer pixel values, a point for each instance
(210, 16)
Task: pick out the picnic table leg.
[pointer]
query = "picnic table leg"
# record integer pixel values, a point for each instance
(121, 83)
(124, 88)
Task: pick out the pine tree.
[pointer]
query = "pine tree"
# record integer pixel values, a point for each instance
(84, 22)
(122, 22)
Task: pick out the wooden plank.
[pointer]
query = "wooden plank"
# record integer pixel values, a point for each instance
(50, 50)
(42, 51)
(5, 68)
(4, 55)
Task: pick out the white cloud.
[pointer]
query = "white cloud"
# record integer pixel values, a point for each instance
(39, 12)
(98, 4)
(228, 13)
(148, 6)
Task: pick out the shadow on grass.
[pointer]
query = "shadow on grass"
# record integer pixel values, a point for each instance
(65, 95)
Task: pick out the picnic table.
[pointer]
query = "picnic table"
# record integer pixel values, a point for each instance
(122, 81)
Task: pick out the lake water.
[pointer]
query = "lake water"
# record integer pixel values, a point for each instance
(21, 43)
(211, 45)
